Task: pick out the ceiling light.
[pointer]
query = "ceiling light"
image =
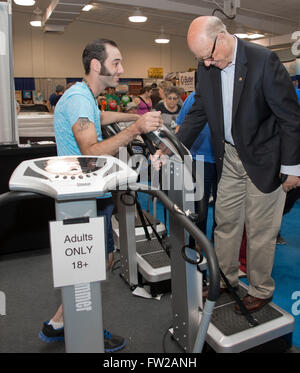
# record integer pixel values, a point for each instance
(241, 36)
(25, 2)
(137, 17)
(87, 8)
(36, 20)
(255, 36)
(36, 23)
(162, 38)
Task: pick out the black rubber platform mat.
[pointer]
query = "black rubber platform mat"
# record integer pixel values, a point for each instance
(146, 247)
(229, 322)
(157, 260)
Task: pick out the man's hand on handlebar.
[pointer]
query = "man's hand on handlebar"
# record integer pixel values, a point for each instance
(149, 122)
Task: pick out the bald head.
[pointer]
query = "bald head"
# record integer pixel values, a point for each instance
(202, 30)
(210, 42)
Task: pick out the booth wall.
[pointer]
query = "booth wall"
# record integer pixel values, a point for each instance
(39, 54)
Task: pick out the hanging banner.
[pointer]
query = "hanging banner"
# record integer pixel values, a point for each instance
(187, 81)
(156, 72)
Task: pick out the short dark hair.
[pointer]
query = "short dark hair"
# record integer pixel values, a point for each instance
(59, 88)
(96, 49)
(147, 88)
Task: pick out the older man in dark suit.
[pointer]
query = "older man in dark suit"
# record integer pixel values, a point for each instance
(247, 97)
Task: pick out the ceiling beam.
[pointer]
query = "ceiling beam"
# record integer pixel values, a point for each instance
(165, 5)
(273, 26)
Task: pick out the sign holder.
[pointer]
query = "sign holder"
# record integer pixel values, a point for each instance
(82, 306)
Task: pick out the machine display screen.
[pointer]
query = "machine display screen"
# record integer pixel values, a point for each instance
(71, 166)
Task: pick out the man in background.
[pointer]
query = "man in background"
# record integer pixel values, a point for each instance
(59, 92)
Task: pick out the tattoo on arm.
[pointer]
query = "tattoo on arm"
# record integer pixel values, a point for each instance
(83, 124)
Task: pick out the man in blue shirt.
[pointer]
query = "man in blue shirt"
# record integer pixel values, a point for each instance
(77, 125)
(202, 146)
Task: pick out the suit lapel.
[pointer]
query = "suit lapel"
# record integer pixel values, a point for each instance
(239, 76)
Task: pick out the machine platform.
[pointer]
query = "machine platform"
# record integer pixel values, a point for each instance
(231, 332)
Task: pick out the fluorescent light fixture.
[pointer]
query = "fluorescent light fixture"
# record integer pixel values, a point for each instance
(162, 39)
(36, 20)
(249, 36)
(87, 8)
(137, 17)
(25, 2)
(255, 36)
(241, 36)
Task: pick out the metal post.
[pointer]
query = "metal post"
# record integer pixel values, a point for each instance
(186, 279)
(7, 104)
(84, 329)
(127, 244)
(11, 75)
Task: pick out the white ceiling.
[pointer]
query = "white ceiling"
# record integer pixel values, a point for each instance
(271, 17)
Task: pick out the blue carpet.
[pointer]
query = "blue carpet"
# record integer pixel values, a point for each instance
(286, 270)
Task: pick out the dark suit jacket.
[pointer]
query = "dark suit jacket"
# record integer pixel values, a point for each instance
(265, 115)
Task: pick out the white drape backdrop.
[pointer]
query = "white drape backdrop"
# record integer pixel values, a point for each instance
(48, 85)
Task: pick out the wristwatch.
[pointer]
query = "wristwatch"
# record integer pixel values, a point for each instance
(283, 178)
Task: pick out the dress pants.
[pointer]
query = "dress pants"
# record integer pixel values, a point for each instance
(240, 203)
(210, 186)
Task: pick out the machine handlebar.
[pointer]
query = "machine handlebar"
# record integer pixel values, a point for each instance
(212, 261)
(10, 197)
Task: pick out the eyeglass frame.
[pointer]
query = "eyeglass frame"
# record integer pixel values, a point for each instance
(172, 98)
(210, 57)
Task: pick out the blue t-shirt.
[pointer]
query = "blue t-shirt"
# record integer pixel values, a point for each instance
(52, 98)
(77, 102)
(298, 94)
(202, 144)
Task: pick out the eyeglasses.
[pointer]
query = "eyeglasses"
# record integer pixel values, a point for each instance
(172, 98)
(210, 58)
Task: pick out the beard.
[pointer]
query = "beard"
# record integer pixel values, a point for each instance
(104, 71)
(107, 77)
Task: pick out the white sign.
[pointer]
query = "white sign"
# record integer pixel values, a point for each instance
(187, 81)
(78, 252)
(2, 304)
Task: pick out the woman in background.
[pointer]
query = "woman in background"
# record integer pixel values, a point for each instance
(144, 101)
(170, 107)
